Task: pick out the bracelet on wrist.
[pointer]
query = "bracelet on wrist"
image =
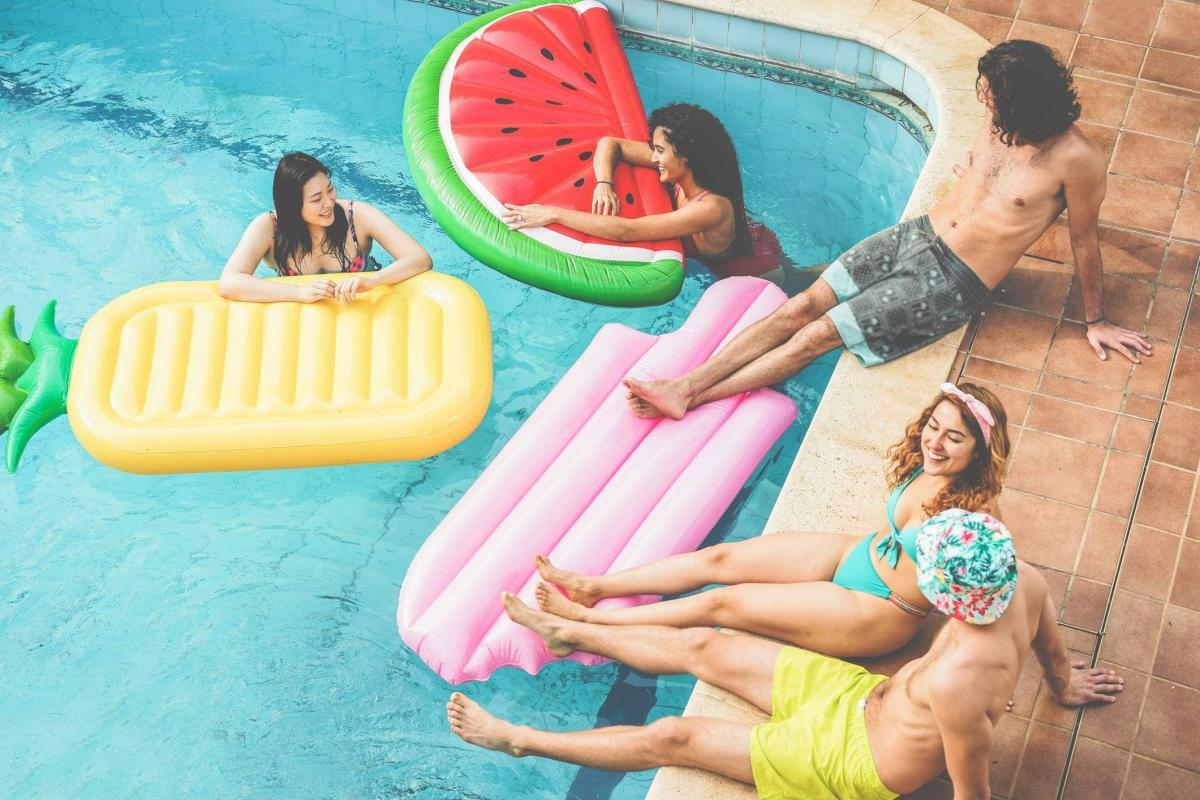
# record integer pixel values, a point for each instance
(610, 183)
(1096, 321)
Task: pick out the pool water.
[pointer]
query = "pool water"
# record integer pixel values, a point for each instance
(232, 635)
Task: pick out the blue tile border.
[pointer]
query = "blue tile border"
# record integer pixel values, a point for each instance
(675, 21)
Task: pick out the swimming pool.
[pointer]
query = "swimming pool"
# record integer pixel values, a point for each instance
(233, 635)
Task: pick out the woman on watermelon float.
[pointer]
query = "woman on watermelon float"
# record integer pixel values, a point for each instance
(311, 231)
(693, 154)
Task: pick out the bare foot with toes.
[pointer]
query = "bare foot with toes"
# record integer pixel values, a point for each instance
(661, 397)
(475, 726)
(578, 588)
(551, 601)
(544, 625)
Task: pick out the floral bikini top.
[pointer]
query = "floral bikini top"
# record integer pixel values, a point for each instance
(360, 263)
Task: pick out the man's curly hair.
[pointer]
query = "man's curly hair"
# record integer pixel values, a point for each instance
(1032, 92)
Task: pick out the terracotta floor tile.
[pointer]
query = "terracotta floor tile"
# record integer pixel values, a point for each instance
(1097, 771)
(1163, 114)
(1005, 8)
(1176, 659)
(1102, 102)
(1080, 392)
(1166, 493)
(1085, 604)
(1056, 585)
(1145, 156)
(1150, 779)
(1179, 28)
(1126, 301)
(1055, 243)
(1132, 434)
(1036, 285)
(1014, 337)
(1193, 527)
(992, 28)
(1179, 268)
(1127, 20)
(1059, 13)
(1149, 562)
(1060, 41)
(1107, 55)
(1169, 711)
(1143, 407)
(1101, 548)
(1167, 313)
(1116, 723)
(1187, 223)
(1042, 764)
(1049, 711)
(1149, 378)
(1070, 419)
(1080, 644)
(1185, 379)
(1118, 487)
(1186, 591)
(1132, 631)
(1015, 402)
(1045, 532)
(1191, 326)
(1072, 357)
(1178, 439)
(1061, 469)
(1141, 204)
(1175, 69)
(1138, 255)
(993, 372)
(1193, 178)
(1103, 135)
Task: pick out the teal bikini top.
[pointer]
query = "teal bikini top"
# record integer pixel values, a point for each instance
(888, 547)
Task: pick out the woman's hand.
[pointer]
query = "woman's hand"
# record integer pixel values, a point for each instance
(604, 200)
(316, 291)
(531, 216)
(347, 290)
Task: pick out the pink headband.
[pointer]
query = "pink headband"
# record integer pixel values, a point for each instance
(982, 414)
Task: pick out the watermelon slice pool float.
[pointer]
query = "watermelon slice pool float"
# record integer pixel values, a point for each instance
(508, 109)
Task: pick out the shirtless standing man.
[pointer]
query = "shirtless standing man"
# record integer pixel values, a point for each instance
(836, 731)
(906, 287)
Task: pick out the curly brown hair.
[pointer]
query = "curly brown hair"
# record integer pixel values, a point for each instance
(1032, 91)
(981, 481)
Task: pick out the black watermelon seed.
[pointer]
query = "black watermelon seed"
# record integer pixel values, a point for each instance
(628, 199)
(553, 102)
(588, 75)
(561, 142)
(504, 101)
(516, 73)
(585, 155)
(587, 47)
(569, 86)
(547, 54)
(579, 183)
(536, 158)
(509, 130)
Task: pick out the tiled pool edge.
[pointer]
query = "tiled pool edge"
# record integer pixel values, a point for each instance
(835, 482)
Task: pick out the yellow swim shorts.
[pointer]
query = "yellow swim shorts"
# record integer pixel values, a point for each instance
(815, 746)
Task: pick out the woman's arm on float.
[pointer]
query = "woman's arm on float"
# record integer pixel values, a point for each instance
(610, 151)
(693, 218)
(238, 281)
(411, 258)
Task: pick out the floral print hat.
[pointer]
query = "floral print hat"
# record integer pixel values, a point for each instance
(966, 565)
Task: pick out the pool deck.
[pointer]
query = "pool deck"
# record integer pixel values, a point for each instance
(1102, 489)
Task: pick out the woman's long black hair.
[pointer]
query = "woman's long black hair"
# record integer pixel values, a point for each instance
(292, 240)
(700, 137)
(1032, 91)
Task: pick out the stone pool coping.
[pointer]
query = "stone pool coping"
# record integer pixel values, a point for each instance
(836, 480)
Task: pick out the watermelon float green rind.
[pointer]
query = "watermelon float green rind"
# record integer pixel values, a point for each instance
(477, 229)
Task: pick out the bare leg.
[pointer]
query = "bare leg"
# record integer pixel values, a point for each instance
(818, 616)
(744, 665)
(715, 745)
(672, 398)
(778, 558)
(816, 339)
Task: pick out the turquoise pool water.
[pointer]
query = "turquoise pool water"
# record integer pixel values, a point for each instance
(233, 635)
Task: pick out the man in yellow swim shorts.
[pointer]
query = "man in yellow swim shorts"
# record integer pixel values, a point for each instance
(836, 730)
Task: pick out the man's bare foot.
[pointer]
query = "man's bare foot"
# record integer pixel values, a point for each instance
(544, 625)
(642, 409)
(661, 396)
(551, 601)
(475, 726)
(580, 589)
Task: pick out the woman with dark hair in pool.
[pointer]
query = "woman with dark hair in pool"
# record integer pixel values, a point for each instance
(838, 594)
(693, 154)
(311, 231)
